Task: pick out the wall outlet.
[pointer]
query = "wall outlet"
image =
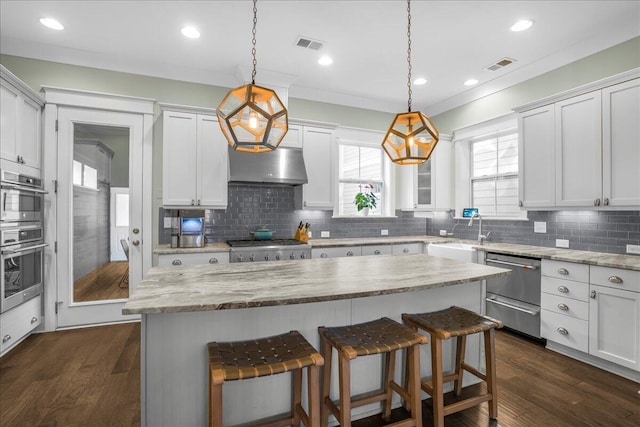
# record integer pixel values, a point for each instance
(384, 232)
(633, 249)
(443, 233)
(539, 227)
(310, 234)
(167, 222)
(325, 234)
(561, 243)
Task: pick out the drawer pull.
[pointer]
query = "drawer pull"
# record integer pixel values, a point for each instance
(213, 261)
(563, 289)
(34, 320)
(324, 255)
(405, 251)
(563, 271)
(593, 294)
(562, 331)
(349, 253)
(615, 279)
(176, 262)
(377, 252)
(563, 307)
(6, 338)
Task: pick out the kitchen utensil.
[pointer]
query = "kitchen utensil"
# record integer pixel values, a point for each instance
(297, 236)
(262, 234)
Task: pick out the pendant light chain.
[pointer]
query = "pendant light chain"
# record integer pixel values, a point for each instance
(253, 41)
(409, 50)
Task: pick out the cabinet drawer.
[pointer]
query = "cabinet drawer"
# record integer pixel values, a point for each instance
(565, 306)
(565, 270)
(336, 252)
(408, 248)
(565, 330)
(377, 250)
(615, 278)
(169, 260)
(566, 288)
(19, 321)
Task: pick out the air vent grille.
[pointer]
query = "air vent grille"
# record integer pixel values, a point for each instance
(500, 64)
(309, 43)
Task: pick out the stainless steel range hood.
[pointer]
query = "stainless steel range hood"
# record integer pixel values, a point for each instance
(281, 166)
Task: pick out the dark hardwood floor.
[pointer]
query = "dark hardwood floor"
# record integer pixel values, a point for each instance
(105, 282)
(91, 377)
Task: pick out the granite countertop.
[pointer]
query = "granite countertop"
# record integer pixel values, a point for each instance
(232, 286)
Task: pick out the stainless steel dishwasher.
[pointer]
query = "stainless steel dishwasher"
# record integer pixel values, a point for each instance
(515, 298)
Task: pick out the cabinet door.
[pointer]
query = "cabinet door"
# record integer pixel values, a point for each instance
(336, 252)
(318, 159)
(578, 144)
(621, 144)
(424, 188)
(293, 137)
(179, 141)
(376, 250)
(212, 164)
(614, 326)
(8, 123)
(29, 128)
(536, 157)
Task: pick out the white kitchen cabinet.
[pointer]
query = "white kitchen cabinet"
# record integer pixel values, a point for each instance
(614, 310)
(536, 155)
(18, 322)
(376, 250)
(408, 248)
(293, 137)
(174, 260)
(621, 144)
(317, 150)
(341, 251)
(194, 161)
(20, 126)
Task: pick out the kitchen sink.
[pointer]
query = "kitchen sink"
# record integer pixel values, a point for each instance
(454, 250)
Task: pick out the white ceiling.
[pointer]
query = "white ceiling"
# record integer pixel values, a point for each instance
(452, 41)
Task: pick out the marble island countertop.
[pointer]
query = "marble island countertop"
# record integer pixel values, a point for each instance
(232, 286)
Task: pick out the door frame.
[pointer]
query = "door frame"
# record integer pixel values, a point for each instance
(56, 97)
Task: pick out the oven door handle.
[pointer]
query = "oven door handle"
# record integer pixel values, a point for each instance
(514, 264)
(17, 251)
(22, 188)
(514, 307)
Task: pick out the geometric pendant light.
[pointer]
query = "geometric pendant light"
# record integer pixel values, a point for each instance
(411, 137)
(252, 117)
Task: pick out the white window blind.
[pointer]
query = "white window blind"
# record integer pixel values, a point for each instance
(494, 173)
(360, 166)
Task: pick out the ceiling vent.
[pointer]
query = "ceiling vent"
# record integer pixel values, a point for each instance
(309, 43)
(500, 64)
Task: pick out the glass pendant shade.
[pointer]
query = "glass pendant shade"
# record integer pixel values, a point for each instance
(253, 119)
(410, 139)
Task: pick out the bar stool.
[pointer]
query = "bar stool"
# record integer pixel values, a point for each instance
(457, 322)
(266, 356)
(379, 336)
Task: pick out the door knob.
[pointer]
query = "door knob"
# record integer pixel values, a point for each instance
(136, 243)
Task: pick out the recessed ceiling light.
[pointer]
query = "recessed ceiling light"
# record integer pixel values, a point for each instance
(471, 82)
(191, 32)
(325, 60)
(521, 25)
(420, 81)
(51, 23)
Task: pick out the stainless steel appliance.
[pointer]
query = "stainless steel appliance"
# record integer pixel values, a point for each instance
(515, 298)
(268, 250)
(191, 223)
(282, 166)
(21, 270)
(22, 199)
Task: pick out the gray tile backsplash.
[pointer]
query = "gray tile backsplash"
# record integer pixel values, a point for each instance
(256, 205)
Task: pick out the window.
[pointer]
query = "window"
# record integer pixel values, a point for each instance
(361, 168)
(84, 175)
(494, 173)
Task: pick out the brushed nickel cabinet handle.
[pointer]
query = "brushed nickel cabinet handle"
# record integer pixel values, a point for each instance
(606, 201)
(324, 255)
(6, 338)
(377, 252)
(593, 294)
(562, 331)
(563, 271)
(615, 279)
(213, 261)
(34, 320)
(563, 289)
(520, 203)
(563, 307)
(349, 253)
(405, 251)
(176, 262)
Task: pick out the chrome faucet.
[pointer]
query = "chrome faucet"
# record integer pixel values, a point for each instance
(481, 237)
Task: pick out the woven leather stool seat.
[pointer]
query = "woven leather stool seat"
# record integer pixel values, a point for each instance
(457, 322)
(376, 337)
(239, 360)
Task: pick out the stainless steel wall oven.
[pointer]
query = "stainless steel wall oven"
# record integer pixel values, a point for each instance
(22, 199)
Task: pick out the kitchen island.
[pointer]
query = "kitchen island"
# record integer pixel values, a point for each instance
(184, 308)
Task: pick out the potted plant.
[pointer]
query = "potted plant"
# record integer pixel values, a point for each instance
(365, 199)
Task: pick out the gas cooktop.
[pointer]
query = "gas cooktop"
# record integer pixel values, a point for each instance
(257, 243)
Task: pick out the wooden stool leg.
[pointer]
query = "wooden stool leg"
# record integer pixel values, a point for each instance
(461, 345)
(407, 382)
(436, 379)
(490, 361)
(215, 404)
(297, 397)
(326, 381)
(312, 395)
(345, 390)
(389, 369)
(414, 389)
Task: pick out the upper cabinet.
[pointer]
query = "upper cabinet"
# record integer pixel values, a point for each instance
(317, 148)
(194, 160)
(20, 126)
(582, 149)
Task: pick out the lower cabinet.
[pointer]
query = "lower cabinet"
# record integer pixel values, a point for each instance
(367, 250)
(18, 322)
(174, 260)
(408, 248)
(336, 252)
(377, 250)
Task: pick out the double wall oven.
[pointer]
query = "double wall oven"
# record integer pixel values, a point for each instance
(21, 238)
